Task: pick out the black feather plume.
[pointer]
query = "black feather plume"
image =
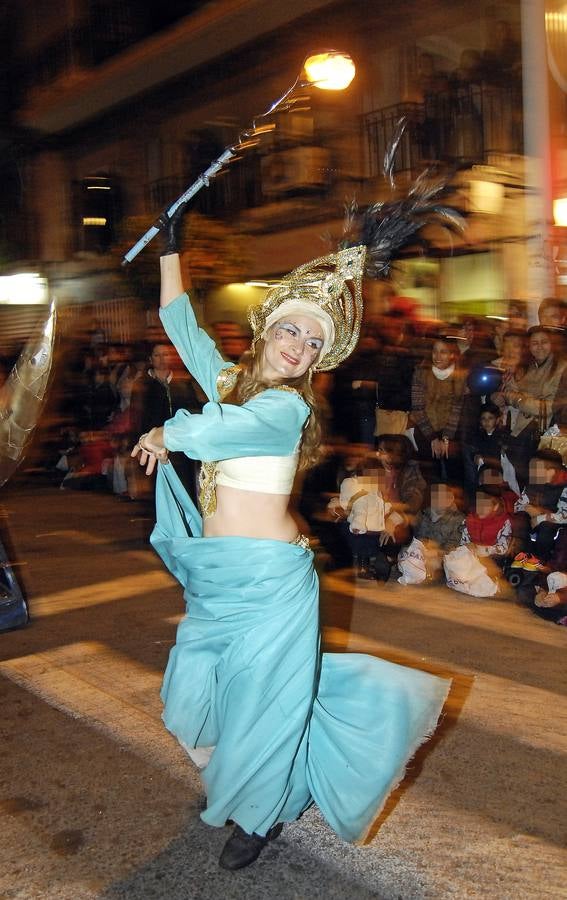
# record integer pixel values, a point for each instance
(388, 227)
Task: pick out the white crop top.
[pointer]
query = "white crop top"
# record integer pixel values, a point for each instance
(267, 474)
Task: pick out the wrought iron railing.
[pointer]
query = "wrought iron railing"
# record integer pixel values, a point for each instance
(466, 124)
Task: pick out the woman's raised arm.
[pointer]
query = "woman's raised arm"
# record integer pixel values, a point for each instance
(197, 350)
(171, 281)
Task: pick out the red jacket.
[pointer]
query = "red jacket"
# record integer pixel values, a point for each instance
(485, 531)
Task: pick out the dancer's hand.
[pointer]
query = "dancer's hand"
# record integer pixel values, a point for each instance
(170, 229)
(150, 449)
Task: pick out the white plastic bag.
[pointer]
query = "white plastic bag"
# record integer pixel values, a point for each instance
(556, 581)
(411, 563)
(465, 573)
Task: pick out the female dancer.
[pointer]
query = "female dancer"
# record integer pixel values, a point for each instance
(285, 725)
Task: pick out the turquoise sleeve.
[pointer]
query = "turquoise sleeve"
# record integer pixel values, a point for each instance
(269, 424)
(197, 350)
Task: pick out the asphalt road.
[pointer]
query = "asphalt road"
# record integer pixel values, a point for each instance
(98, 801)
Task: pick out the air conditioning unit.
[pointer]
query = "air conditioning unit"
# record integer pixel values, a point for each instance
(297, 169)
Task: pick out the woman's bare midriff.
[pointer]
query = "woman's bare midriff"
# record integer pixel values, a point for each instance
(250, 514)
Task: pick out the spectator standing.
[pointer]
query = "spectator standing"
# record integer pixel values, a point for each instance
(552, 313)
(437, 398)
(532, 398)
(485, 446)
(157, 396)
(354, 393)
(395, 364)
(102, 401)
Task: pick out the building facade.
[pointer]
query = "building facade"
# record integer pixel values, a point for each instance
(120, 105)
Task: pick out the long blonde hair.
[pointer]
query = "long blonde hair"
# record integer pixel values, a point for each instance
(250, 383)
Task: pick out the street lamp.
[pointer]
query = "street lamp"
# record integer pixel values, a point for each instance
(328, 70)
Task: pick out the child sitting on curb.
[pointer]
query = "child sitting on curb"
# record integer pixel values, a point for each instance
(438, 532)
(544, 501)
(487, 536)
(488, 530)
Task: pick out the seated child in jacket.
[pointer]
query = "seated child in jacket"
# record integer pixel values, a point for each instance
(438, 532)
(544, 504)
(545, 590)
(472, 568)
(488, 530)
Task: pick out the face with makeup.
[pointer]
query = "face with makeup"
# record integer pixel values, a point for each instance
(291, 347)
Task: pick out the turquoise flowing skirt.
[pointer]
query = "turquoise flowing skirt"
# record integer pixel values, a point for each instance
(288, 725)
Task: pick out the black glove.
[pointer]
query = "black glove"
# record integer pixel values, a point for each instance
(169, 227)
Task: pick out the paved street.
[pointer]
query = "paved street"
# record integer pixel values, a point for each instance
(98, 801)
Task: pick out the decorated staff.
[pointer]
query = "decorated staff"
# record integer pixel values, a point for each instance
(329, 71)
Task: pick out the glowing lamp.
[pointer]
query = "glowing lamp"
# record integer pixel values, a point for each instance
(560, 212)
(329, 71)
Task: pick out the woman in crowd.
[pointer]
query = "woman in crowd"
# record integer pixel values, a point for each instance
(531, 399)
(287, 727)
(514, 361)
(437, 397)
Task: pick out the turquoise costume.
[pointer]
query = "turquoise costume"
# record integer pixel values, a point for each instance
(289, 726)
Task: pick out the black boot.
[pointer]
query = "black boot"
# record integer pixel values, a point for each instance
(242, 848)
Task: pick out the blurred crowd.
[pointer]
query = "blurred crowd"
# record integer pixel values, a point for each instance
(443, 458)
(109, 394)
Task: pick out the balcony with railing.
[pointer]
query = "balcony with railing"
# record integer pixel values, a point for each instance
(468, 124)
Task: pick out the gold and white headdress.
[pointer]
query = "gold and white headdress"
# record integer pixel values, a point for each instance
(330, 289)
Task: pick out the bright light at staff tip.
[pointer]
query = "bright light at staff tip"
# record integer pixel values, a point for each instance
(330, 71)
